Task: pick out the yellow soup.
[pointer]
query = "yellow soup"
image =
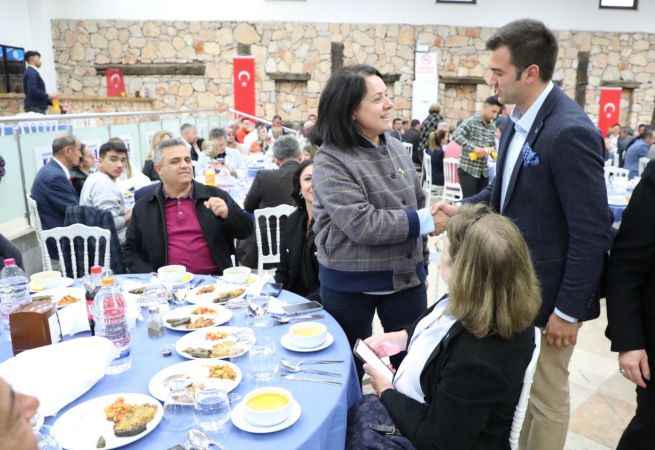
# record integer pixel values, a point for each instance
(309, 330)
(267, 402)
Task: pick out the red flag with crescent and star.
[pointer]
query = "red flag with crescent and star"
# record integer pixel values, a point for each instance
(115, 83)
(244, 84)
(609, 111)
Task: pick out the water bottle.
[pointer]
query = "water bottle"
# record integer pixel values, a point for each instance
(110, 315)
(91, 284)
(14, 293)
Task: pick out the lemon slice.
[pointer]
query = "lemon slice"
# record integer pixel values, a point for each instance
(187, 277)
(36, 287)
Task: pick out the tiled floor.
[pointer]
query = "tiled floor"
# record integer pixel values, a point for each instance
(602, 401)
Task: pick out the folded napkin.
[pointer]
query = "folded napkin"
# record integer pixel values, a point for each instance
(60, 373)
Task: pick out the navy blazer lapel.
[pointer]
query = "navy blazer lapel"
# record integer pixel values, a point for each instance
(536, 128)
(503, 145)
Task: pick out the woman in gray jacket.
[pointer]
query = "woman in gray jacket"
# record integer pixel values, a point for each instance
(370, 215)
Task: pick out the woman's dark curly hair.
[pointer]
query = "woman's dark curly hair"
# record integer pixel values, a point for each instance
(295, 182)
(2, 168)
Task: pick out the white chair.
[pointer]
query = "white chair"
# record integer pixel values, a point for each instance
(35, 222)
(409, 147)
(452, 191)
(522, 405)
(270, 216)
(427, 178)
(72, 232)
(643, 162)
(612, 172)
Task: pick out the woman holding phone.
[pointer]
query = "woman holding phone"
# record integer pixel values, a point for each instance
(459, 385)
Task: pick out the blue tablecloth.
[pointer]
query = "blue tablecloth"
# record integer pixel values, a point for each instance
(324, 407)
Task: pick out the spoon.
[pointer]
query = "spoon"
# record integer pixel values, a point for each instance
(198, 439)
(296, 368)
(282, 320)
(297, 365)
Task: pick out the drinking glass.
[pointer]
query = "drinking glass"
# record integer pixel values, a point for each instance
(212, 409)
(180, 293)
(263, 360)
(179, 406)
(154, 295)
(257, 309)
(45, 439)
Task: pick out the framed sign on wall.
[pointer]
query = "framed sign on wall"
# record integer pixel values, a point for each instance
(618, 4)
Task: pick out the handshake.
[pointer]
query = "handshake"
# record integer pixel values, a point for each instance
(441, 212)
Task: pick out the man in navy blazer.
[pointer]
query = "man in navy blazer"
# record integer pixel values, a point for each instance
(550, 182)
(36, 97)
(52, 188)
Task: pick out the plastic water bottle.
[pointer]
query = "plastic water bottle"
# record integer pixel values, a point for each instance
(110, 316)
(14, 293)
(91, 284)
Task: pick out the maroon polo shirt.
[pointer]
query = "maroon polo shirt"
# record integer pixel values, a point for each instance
(186, 243)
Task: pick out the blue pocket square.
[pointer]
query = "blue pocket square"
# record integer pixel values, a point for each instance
(530, 157)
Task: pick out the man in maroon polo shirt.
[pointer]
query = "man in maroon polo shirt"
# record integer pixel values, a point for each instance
(182, 221)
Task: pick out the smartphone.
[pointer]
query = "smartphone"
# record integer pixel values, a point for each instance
(302, 308)
(272, 289)
(368, 356)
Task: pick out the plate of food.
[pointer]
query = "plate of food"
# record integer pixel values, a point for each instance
(216, 343)
(215, 293)
(108, 422)
(190, 318)
(201, 374)
(61, 296)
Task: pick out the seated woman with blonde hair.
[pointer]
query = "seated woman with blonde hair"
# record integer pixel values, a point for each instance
(460, 383)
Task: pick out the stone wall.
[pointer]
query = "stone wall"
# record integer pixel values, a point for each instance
(11, 104)
(305, 48)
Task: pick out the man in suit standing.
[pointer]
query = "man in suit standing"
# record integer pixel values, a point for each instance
(631, 307)
(550, 182)
(36, 98)
(271, 188)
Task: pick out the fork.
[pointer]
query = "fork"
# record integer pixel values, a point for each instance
(294, 377)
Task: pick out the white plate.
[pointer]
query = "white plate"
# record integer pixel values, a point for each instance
(80, 427)
(63, 283)
(58, 293)
(208, 299)
(241, 423)
(287, 342)
(198, 371)
(221, 316)
(197, 339)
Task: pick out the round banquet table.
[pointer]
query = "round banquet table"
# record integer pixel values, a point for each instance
(322, 424)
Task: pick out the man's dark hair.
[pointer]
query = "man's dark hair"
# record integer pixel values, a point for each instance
(415, 123)
(61, 142)
(112, 144)
(397, 119)
(185, 126)
(343, 93)
(31, 53)
(647, 133)
(216, 133)
(277, 116)
(493, 101)
(529, 42)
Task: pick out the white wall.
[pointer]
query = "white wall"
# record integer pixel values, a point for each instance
(14, 23)
(558, 14)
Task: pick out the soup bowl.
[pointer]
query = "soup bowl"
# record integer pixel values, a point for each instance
(267, 406)
(308, 334)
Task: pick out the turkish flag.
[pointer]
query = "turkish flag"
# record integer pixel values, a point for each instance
(609, 110)
(115, 83)
(244, 84)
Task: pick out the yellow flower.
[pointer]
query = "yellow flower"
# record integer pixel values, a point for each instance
(473, 156)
